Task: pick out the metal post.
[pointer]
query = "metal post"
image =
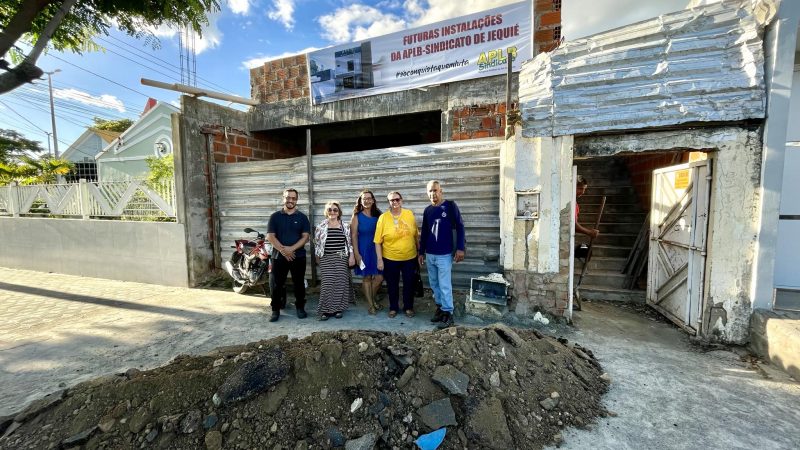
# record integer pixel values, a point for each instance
(53, 111)
(310, 182)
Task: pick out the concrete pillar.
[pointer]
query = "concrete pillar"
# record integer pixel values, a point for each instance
(780, 43)
(84, 200)
(13, 199)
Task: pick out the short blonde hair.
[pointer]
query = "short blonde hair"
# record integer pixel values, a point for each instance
(328, 205)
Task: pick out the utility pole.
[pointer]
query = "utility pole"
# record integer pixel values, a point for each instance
(53, 111)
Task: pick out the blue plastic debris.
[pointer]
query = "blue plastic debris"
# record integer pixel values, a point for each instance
(431, 441)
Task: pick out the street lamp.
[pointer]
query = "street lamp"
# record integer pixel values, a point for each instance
(53, 111)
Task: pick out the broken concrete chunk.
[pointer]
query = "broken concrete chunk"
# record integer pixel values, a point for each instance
(489, 426)
(406, 377)
(366, 442)
(452, 380)
(213, 440)
(438, 414)
(254, 376)
(41, 405)
(78, 439)
(494, 379)
(549, 403)
(139, 420)
(191, 422)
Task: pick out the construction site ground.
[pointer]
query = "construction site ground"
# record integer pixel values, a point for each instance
(665, 391)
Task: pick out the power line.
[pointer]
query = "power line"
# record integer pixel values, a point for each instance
(166, 64)
(21, 116)
(100, 76)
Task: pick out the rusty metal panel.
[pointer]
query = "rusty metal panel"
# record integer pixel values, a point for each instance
(247, 193)
(696, 65)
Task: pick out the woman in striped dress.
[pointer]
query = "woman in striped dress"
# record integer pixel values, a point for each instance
(334, 255)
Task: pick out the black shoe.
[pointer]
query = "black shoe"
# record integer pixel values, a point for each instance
(446, 322)
(437, 316)
(301, 314)
(275, 316)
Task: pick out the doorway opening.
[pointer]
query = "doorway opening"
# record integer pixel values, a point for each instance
(635, 257)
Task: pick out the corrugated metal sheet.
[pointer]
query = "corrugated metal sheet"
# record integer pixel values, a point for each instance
(697, 65)
(248, 193)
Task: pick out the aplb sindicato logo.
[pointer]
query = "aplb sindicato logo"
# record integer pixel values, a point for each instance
(496, 58)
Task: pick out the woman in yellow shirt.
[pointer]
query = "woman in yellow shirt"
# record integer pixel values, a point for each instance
(396, 243)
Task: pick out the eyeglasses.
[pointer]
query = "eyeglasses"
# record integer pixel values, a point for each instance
(291, 198)
(392, 200)
(333, 209)
(364, 199)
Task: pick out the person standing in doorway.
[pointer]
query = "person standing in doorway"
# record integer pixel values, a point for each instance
(396, 242)
(362, 227)
(438, 250)
(288, 232)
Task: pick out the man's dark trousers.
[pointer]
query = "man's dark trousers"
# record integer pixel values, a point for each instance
(277, 282)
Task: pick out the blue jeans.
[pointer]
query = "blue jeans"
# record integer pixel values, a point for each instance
(440, 268)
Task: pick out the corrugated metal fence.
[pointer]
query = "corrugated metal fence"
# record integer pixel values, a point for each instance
(247, 193)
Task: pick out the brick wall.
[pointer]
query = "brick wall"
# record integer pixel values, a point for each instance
(641, 167)
(547, 23)
(231, 145)
(280, 79)
(478, 121)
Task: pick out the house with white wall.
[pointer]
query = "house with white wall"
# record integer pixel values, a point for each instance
(84, 149)
(125, 157)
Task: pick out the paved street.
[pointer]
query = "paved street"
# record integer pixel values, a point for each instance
(58, 330)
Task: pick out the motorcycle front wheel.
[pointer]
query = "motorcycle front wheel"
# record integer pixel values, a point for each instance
(239, 288)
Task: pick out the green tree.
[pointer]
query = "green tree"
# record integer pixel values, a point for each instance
(71, 25)
(13, 145)
(34, 171)
(162, 170)
(112, 125)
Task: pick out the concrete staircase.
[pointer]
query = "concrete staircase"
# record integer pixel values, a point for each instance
(620, 224)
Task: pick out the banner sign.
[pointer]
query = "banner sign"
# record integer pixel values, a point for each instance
(473, 46)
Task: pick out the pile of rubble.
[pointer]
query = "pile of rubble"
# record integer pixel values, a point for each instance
(493, 387)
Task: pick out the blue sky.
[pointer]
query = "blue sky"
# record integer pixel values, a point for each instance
(244, 34)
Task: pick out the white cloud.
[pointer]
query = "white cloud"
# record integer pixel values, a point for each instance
(283, 12)
(104, 101)
(610, 14)
(438, 10)
(356, 22)
(239, 6)
(211, 35)
(260, 60)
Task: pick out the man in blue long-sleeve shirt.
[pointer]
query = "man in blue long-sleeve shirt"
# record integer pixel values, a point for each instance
(439, 221)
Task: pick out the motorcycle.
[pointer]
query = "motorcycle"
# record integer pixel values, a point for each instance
(250, 263)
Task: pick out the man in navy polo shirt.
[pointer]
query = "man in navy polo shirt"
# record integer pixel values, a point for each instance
(288, 232)
(439, 221)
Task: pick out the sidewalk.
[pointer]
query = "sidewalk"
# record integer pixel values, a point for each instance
(58, 330)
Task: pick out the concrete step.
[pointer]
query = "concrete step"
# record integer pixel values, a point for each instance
(610, 251)
(618, 239)
(617, 197)
(608, 191)
(589, 292)
(604, 264)
(621, 227)
(591, 208)
(775, 336)
(605, 279)
(610, 217)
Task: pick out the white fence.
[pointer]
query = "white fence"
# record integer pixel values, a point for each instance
(126, 200)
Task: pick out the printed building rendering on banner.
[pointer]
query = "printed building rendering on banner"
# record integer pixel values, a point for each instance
(473, 46)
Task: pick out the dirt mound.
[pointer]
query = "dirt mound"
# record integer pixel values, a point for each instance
(494, 387)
